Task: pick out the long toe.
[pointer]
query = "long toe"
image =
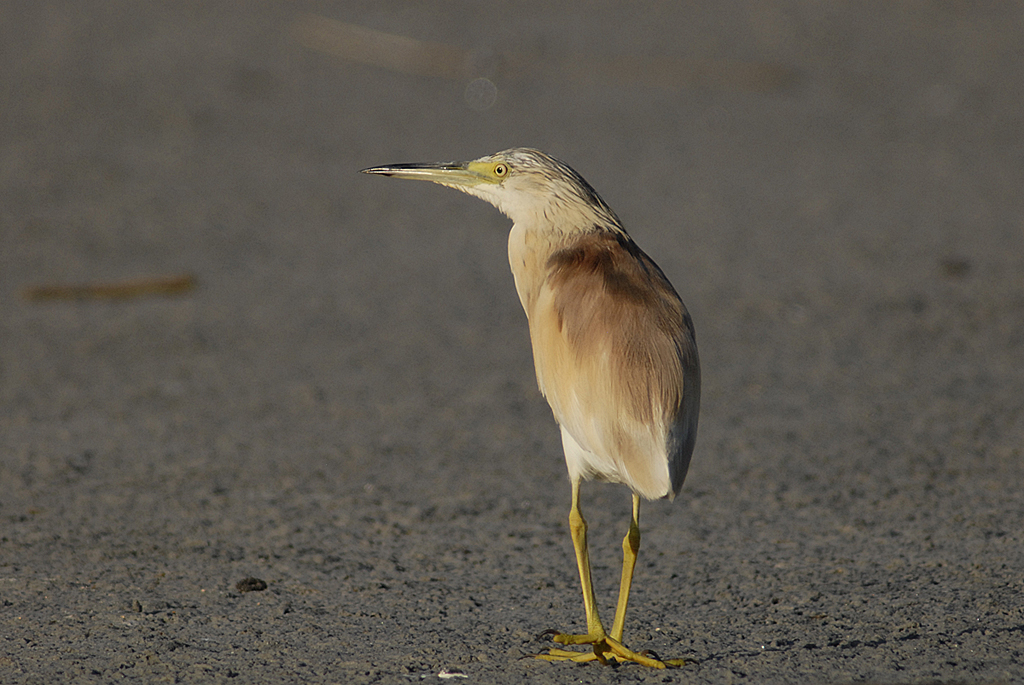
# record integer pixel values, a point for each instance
(603, 648)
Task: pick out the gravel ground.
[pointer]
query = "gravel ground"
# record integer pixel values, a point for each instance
(344, 408)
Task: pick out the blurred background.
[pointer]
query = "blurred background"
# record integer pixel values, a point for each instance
(224, 352)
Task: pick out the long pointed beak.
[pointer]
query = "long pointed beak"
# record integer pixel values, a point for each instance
(445, 173)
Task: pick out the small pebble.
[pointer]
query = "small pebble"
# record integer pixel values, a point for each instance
(251, 584)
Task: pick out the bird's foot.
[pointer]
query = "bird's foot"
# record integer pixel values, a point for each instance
(605, 649)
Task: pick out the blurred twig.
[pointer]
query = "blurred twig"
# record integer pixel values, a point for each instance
(139, 287)
(410, 56)
(360, 44)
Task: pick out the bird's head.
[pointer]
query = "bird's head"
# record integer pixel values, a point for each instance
(528, 186)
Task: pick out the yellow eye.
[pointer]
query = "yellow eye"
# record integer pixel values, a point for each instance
(500, 170)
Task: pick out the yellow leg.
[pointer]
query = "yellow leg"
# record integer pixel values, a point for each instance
(604, 646)
(630, 549)
(578, 530)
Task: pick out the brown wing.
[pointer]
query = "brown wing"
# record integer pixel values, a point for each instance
(617, 359)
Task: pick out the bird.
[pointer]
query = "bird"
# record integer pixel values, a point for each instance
(614, 351)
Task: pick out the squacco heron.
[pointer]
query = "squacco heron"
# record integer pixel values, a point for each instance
(613, 346)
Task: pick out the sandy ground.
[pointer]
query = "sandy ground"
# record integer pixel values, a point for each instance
(344, 405)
